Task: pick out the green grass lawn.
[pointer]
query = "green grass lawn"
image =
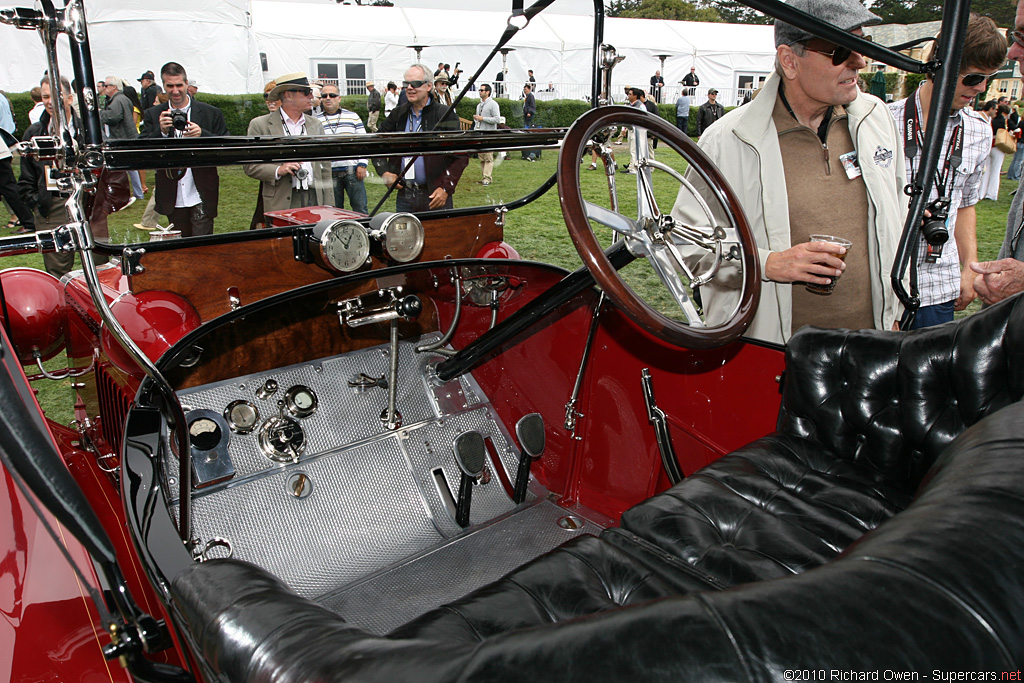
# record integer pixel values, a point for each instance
(537, 230)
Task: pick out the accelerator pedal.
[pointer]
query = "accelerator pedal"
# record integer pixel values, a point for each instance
(530, 432)
(470, 453)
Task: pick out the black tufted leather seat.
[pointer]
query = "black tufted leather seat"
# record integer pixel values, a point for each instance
(940, 585)
(864, 415)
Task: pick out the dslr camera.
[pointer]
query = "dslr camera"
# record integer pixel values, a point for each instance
(302, 173)
(179, 120)
(934, 228)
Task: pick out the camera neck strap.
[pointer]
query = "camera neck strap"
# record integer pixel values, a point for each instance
(913, 139)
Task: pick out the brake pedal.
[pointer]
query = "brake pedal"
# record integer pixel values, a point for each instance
(470, 453)
(530, 432)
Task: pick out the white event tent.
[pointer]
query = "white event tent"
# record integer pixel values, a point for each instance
(234, 46)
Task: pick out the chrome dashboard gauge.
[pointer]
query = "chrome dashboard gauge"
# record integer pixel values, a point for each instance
(343, 246)
(400, 234)
(300, 401)
(242, 416)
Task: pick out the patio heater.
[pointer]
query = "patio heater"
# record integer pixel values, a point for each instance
(504, 68)
(419, 49)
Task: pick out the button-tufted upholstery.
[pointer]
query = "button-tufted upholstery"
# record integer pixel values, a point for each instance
(864, 414)
(940, 585)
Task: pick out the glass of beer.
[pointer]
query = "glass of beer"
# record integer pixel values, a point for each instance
(827, 289)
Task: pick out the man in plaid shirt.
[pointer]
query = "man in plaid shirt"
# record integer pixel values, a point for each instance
(945, 283)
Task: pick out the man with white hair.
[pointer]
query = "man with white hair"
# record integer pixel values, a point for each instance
(770, 151)
(117, 117)
(429, 181)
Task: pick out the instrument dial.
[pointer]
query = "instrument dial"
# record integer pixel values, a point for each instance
(344, 245)
(403, 237)
(242, 416)
(400, 234)
(300, 401)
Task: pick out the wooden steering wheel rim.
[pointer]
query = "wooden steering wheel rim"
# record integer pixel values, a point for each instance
(593, 256)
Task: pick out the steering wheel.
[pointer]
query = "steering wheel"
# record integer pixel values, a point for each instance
(659, 238)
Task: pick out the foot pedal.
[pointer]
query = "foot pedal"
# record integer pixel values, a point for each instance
(530, 432)
(470, 453)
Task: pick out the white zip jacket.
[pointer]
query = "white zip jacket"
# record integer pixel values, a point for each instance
(744, 144)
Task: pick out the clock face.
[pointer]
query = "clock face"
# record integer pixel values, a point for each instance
(403, 238)
(345, 246)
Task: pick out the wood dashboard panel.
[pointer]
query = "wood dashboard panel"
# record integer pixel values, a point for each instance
(260, 268)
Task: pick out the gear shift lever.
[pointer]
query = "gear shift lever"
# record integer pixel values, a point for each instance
(469, 454)
(530, 432)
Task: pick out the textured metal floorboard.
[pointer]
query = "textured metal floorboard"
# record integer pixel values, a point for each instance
(389, 598)
(372, 497)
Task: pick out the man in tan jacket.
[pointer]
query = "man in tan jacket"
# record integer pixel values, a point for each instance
(291, 184)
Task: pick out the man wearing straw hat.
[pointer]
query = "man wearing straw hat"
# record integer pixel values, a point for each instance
(291, 184)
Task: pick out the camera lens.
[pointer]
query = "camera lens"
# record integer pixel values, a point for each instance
(934, 231)
(179, 119)
(302, 173)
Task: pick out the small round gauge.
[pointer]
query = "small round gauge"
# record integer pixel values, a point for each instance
(204, 433)
(300, 401)
(400, 234)
(403, 237)
(242, 416)
(344, 245)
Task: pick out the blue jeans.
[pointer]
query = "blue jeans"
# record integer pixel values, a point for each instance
(936, 314)
(682, 123)
(1013, 173)
(136, 181)
(348, 182)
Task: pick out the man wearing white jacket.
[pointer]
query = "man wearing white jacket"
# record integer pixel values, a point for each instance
(811, 154)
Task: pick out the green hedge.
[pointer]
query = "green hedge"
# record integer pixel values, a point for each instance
(240, 109)
(21, 104)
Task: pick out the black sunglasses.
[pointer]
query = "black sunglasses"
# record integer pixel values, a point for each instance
(1015, 36)
(971, 80)
(305, 91)
(414, 84)
(839, 54)
(330, 95)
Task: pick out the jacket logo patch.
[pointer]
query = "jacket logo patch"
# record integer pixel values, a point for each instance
(883, 157)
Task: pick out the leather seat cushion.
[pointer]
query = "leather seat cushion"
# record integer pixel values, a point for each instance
(778, 506)
(582, 577)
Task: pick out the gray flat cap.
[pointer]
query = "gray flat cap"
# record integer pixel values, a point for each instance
(845, 14)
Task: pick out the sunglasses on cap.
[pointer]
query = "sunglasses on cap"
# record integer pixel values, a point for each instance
(839, 54)
(330, 95)
(1015, 36)
(971, 80)
(414, 84)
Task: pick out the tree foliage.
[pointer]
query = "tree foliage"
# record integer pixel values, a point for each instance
(677, 10)
(917, 11)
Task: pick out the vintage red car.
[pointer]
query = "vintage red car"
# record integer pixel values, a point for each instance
(387, 448)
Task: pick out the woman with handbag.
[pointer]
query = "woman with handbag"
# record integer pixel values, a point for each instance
(990, 182)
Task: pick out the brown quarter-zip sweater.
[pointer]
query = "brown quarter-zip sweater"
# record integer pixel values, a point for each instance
(824, 200)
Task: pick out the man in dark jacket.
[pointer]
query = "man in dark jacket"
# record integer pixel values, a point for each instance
(188, 196)
(709, 112)
(372, 107)
(430, 181)
(148, 90)
(118, 116)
